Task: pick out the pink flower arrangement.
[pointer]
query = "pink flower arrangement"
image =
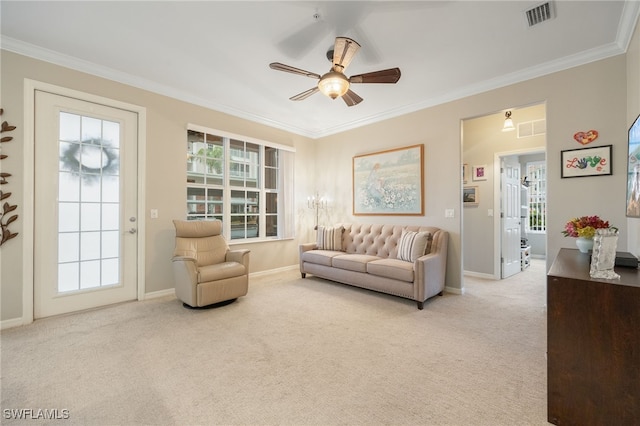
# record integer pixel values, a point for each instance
(584, 226)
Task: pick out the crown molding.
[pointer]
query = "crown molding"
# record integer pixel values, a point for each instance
(67, 61)
(628, 20)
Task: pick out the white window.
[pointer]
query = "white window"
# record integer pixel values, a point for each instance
(536, 175)
(245, 183)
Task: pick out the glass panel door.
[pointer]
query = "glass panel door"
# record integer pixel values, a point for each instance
(86, 205)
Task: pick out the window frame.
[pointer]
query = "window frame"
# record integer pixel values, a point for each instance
(230, 185)
(538, 197)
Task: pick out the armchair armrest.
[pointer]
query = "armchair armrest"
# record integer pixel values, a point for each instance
(185, 269)
(185, 274)
(240, 255)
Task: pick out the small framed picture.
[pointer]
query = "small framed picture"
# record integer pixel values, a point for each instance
(480, 172)
(582, 162)
(466, 172)
(470, 196)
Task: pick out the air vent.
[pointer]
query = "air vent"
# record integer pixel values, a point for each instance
(532, 128)
(541, 13)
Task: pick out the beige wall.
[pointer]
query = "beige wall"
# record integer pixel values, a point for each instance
(482, 139)
(592, 96)
(165, 172)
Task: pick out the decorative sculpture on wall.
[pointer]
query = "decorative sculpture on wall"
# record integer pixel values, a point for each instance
(7, 208)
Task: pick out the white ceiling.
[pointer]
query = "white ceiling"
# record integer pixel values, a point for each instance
(216, 54)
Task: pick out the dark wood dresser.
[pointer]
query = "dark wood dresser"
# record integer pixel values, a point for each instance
(593, 344)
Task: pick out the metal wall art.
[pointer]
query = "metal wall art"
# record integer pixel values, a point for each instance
(5, 218)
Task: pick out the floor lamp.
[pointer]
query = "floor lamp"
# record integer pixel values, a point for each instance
(316, 203)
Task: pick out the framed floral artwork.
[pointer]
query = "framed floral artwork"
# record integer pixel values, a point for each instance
(389, 182)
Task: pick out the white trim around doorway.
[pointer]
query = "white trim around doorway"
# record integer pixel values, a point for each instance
(497, 227)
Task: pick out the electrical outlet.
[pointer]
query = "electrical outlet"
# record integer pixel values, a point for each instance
(449, 213)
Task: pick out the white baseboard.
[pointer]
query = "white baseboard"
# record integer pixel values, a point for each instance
(160, 293)
(10, 323)
(454, 290)
(479, 275)
(171, 291)
(274, 271)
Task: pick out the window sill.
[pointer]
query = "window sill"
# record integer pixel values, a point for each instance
(257, 240)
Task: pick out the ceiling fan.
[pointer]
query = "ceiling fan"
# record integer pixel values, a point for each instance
(334, 83)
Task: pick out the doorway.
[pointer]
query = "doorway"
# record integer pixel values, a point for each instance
(484, 147)
(521, 224)
(84, 223)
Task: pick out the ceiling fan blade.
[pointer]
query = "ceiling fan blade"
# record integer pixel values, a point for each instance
(369, 53)
(392, 75)
(293, 70)
(299, 43)
(343, 52)
(351, 99)
(305, 94)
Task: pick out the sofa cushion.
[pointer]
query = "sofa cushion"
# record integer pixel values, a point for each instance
(392, 268)
(412, 245)
(320, 257)
(353, 262)
(330, 238)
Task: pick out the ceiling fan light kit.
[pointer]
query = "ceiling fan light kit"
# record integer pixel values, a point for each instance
(335, 84)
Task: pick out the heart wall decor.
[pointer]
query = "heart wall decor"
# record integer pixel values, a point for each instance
(586, 137)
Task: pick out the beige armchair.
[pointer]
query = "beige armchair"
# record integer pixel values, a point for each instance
(206, 271)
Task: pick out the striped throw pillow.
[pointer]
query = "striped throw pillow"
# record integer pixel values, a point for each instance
(412, 245)
(330, 238)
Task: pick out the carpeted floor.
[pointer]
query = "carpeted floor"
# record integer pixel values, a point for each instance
(292, 352)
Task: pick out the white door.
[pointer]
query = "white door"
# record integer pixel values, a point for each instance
(510, 217)
(85, 205)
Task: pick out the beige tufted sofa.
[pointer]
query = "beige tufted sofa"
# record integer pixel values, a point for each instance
(368, 258)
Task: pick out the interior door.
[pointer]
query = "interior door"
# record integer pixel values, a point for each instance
(510, 216)
(85, 205)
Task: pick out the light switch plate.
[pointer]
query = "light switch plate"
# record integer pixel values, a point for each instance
(449, 213)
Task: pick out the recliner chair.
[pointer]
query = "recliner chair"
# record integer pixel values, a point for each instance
(206, 271)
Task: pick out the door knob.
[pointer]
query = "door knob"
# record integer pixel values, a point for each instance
(133, 230)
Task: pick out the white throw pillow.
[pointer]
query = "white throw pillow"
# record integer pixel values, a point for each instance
(330, 238)
(412, 245)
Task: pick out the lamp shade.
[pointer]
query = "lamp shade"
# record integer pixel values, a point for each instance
(508, 122)
(333, 84)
